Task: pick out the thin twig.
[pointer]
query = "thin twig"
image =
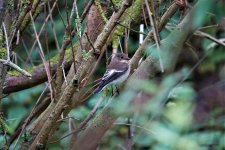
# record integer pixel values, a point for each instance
(208, 36)
(66, 118)
(72, 12)
(53, 27)
(17, 37)
(126, 39)
(145, 18)
(89, 40)
(93, 70)
(86, 9)
(42, 27)
(29, 117)
(121, 48)
(78, 25)
(155, 33)
(8, 62)
(164, 20)
(137, 126)
(65, 44)
(7, 42)
(114, 7)
(11, 64)
(46, 65)
(209, 26)
(84, 122)
(64, 74)
(70, 23)
(139, 32)
(20, 21)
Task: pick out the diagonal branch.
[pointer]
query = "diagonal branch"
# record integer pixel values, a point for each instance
(46, 64)
(149, 38)
(66, 42)
(8, 61)
(208, 36)
(18, 83)
(153, 23)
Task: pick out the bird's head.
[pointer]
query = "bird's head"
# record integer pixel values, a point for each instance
(121, 57)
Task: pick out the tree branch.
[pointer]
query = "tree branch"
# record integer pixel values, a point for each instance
(140, 51)
(18, 83)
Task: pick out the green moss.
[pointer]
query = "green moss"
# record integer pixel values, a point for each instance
(3, 53)
(1, 38)
(132, 13)
(10, 5)
(38, 10)
(13, 73)
(25, 3)
(117, 3)
(26, 20)
(98, 4)
(86, 55)
(116, 37)
(16, 73)
(22, 8)
(68, 54)
(3, 125)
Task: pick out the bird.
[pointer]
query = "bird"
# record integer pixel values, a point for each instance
(117, 71)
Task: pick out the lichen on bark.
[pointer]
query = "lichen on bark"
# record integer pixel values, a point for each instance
(130, 15)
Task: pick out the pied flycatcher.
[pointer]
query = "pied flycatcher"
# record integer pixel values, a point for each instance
(117, 71)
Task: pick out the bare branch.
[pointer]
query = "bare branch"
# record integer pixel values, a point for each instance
(42, 27)
(7, 42)
(140, 51)
(65, 44)
(208, 36)
(46, 65)
(14, 66)
(18, 83)
(155, 31)
(8, 61)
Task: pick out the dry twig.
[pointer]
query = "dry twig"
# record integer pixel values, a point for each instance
(8, 61)
(208, 36)
(46, 65)
(155, 31)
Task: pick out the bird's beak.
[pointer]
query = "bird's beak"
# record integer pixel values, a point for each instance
(127, 58)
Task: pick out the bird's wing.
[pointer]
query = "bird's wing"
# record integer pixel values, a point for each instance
(109, 76)
(113, 74)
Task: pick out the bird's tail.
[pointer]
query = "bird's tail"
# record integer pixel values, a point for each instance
(99, 89)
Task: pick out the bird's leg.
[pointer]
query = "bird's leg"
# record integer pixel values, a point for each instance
(117, 90)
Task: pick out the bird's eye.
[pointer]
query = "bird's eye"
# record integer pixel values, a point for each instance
(121, 57)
